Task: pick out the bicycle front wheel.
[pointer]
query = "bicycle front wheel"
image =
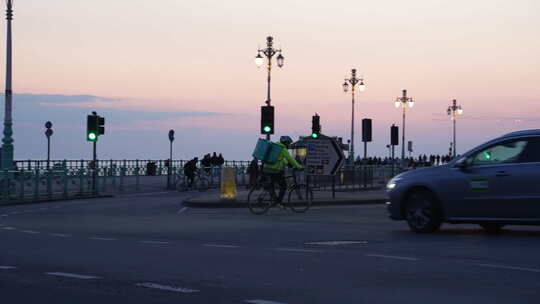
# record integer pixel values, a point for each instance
(259, 200)
(300, 198)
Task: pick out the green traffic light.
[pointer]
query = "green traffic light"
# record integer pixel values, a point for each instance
(92, 136)
(314, 135)
(267, 129)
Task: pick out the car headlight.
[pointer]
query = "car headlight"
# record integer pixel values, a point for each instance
(392, 183)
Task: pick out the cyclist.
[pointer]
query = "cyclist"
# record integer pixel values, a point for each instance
(276, 171)
(190, 168)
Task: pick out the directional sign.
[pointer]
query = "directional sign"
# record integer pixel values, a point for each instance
(324, 156)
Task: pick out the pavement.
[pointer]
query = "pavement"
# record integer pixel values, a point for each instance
(151, 248)
(212, 199)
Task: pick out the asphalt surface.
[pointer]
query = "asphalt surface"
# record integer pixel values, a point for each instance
(149, 248)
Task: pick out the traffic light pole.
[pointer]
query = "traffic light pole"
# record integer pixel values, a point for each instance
(48, 152)
(94, 169)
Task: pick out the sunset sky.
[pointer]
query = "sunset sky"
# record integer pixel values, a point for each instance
(150, 66)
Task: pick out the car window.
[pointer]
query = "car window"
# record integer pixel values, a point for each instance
(532, 151)
(506, 152)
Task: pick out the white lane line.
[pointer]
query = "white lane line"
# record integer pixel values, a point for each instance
(182, 210)
(56, 207)
(102, 239)
(7, 267)
(336, 243)
(144, 194)
(72, 275)
(262, 302)
(509, 267)
(4, 215)
(61, 235)
(154, 242)
(167, 287)
(220, 246)
(392, 257)
(297, 250)
(29, 231)
(15, 212)
(9, 228)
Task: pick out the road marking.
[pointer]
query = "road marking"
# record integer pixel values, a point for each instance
(262, 302)
(297, 250)
(7, 267)
(182, 210)
(509, 267)
(154, 242)
(9, 228)
(144, 193)
(61, 235)
(15, 212)
(393, 257)
(336, 243)
(102, 239)
(4, 215)
(167, 287)
(220, 246)
(72, 275)
(56, 207)
(30, 231)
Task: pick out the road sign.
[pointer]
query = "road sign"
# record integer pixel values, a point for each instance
(48, 125)
(171, 135)
(49, 132)
(324, 156)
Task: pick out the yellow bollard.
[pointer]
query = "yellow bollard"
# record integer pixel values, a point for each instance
(228, 183)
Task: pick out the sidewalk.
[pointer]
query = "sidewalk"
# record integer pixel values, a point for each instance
(321, 198)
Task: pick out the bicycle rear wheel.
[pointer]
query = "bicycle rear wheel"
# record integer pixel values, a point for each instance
(259, 200)
(300, 198)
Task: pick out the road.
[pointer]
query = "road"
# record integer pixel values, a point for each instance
(148, 248)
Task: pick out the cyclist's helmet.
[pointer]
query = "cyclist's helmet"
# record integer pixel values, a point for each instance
(286, 140)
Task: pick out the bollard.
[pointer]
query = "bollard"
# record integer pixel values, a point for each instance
(228, 183)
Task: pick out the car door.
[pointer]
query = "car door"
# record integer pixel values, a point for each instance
(487, 185)
(523, 179)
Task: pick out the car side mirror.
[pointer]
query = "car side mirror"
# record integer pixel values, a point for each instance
(462, 164)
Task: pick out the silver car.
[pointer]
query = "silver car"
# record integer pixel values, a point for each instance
(495, 184)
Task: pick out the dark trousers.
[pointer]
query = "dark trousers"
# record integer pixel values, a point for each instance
(278, 179)
(190, 178)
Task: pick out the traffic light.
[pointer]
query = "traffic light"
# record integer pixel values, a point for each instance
(92, 127)
(366, 130)
(315, 126)
(394, 135)
(101, 125)
(267, 120)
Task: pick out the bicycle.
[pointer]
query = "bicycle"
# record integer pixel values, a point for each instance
(261, 197)
(200, 182)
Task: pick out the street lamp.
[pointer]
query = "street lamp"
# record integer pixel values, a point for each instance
(269, 52)
(7, 141)
(453, 111)
(353, 82)
(403, 102)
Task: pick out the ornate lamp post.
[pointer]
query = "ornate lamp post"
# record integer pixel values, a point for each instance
(453, 111)
(403, 102)
(269, 52)
(353, 81)
(7, 141)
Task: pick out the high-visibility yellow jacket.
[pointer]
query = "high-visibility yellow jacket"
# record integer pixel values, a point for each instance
(283, 159)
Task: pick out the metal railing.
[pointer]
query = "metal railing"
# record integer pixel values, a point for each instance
(75, 179)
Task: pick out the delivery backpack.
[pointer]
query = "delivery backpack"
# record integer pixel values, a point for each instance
(267, 151)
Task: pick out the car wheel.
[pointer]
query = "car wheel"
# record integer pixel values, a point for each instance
(492, 227)
(422, 212)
